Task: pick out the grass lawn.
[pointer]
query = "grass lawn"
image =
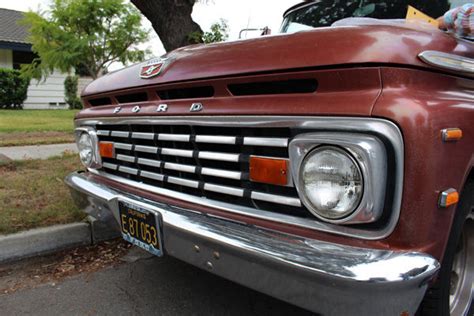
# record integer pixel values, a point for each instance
(33, 194)
(36, 127)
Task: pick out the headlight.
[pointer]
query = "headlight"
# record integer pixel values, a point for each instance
(87, 144)
(332, 182)
(86, 149)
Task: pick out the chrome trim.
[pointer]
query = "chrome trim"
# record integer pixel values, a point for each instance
(273, 198)
(103, 133)
(236, 175)
(96, 162)
(210, 155)
(125, 158)
(370, 156)
(152, 175)
(148, 162)
(280, 199)
(196, 107)
(230, 140)
(180, 167)
(241, 210)
(310, 273)
(184, 168)
(145, 149)
(266, 141)
(122, 146)
(383, 128)
(128, 170)
(177, 152)
(183, 182)
(119, 134)
(149, 136)
(222, 189)
(450, 62)
(216, 139)
(174, 137)
(180, 152)
(109, 165)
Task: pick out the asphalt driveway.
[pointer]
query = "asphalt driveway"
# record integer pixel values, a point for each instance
(143, 285)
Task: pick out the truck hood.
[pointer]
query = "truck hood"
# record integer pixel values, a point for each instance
(321, 47)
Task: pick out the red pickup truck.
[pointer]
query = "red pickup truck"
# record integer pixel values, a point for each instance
(331, 168)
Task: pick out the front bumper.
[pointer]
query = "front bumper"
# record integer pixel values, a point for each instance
(326, 278)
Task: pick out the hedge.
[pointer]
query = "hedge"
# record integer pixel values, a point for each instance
(13, 89)
(70, 89)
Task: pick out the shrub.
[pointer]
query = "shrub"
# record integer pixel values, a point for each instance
(13, 89)
(70, 88)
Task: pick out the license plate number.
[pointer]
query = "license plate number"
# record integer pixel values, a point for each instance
(140, 227)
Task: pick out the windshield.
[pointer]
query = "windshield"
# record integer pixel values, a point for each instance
(324, 12)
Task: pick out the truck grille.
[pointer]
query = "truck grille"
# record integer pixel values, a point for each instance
(208, 162)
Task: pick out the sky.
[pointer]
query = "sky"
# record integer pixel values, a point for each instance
(238, 14)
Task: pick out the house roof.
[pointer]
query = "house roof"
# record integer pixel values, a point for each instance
(10, 30)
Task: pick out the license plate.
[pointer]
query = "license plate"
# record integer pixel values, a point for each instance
(140, 227)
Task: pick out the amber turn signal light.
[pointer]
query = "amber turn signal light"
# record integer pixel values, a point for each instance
(451, 134)
(106, 150)
(448, 198)
(268, 170)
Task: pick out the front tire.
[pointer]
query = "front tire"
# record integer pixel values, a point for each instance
(452, 293)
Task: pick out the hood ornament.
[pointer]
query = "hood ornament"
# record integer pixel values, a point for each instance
(153, 67)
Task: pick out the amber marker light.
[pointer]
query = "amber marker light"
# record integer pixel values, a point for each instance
(106, 150)
(451, 134)
(268, 170)
(448, 198)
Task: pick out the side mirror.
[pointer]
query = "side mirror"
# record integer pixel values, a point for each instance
(263, 31)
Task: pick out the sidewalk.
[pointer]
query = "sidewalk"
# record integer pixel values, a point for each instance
(37, 151)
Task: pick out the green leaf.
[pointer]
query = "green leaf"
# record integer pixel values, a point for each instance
(365, 10)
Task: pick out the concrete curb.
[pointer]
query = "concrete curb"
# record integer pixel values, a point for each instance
(52, 239)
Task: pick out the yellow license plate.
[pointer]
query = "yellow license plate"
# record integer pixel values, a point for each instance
(140, 227)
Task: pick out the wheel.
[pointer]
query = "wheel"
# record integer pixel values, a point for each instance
(462, 272)
(452, 293)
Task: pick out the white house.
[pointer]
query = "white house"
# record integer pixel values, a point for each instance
(16, 50)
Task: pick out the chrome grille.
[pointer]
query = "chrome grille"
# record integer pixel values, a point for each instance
(208, 162)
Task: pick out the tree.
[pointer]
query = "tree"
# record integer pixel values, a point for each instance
(171, 20)
(219, 33)
(84, 34)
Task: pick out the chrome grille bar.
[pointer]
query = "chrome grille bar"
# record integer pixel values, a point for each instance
(119, 134)
(180, 152)
(210, 139)
(236, 175)
(211, 187)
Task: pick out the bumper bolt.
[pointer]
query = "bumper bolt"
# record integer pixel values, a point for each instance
(196, 248)
(217, 255)
(209, 265)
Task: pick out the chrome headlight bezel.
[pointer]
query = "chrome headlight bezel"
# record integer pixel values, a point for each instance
(96, 162)
(369, 154)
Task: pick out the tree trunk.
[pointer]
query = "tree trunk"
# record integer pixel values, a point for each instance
(171, 20)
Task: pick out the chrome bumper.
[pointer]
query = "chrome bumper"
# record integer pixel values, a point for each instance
(326, 278)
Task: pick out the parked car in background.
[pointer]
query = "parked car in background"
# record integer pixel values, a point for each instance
(331, 168)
